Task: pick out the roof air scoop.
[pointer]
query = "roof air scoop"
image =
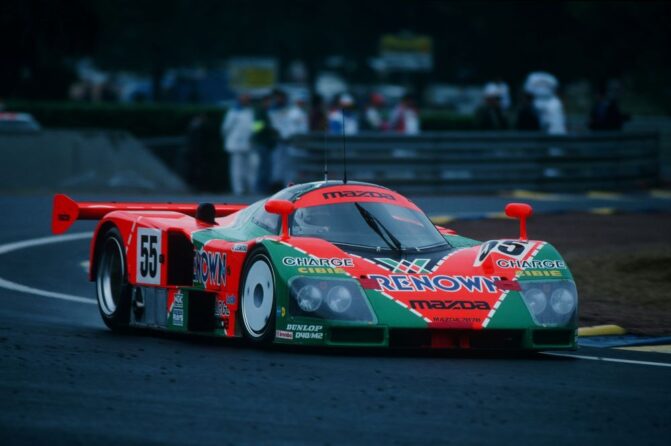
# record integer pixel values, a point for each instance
(205, 213)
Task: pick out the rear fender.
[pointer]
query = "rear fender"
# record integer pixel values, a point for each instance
(156, 254)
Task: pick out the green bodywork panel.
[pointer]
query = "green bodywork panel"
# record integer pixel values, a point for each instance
(512, 313)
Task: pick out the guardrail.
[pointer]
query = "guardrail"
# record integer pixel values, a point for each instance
(484, 161)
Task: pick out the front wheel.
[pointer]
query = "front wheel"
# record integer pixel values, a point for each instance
(112, 287)
(257, 298)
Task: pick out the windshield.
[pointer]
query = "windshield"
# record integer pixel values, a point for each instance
(371, 224)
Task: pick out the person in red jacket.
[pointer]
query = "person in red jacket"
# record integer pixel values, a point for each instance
(405, 117)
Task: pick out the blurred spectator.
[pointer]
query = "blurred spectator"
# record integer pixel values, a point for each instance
(527, 116)
(606, 114)
(317, 114)
(279, 114)
(373, 115)
(405, 117)
(265, 140)
(236, 131)
(504, 93)
(490, 115)
(280, 117)
(344, 113)
(298, 118)
(543, 87)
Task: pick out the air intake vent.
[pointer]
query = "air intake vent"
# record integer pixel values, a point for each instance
(456, 339)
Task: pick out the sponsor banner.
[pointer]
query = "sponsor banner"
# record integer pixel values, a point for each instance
(309, 270)
(421, 304)
(458, 320)
(357, 194)
(178, 309)
(209, 268)
(450, 284)
(334, 262)
(239, 247)
(540, 273)
(307, 331)
(531, 264)
(221, 309)
(283, 334)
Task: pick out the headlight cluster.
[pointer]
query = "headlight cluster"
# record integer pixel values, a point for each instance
(552, 302)
(338, 299)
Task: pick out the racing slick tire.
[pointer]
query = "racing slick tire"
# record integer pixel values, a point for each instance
(112, 289)
(258, 298)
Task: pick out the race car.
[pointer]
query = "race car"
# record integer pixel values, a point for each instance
(327, 263)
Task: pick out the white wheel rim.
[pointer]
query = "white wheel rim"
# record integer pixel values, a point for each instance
(111, 272)
(257, 298)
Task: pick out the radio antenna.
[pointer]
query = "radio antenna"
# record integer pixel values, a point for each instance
(326, 155)
(344, 148)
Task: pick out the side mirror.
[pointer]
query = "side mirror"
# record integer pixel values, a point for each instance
(521, 211)
(282, 208)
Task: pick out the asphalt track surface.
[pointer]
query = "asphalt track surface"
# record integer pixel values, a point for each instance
(66, 379)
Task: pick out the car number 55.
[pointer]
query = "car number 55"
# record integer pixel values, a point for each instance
(148, 251)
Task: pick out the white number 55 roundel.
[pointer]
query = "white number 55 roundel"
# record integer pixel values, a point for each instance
(148, 252)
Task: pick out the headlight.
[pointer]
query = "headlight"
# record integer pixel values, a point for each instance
(537, 300)
(309, 298)
(551, 303)
(339, 299)
(562, 301)
(330, 298)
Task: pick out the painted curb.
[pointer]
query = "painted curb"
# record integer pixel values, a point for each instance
(601, 330)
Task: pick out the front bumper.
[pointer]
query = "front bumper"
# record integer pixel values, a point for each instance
(532, 339)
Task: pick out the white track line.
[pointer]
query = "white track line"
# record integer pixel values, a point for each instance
(13, 286)
(26, 289)
(600, 358)
(9, 247)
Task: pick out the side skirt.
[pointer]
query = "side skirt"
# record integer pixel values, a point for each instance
(183, 310)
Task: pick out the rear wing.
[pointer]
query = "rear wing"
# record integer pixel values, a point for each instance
(66, 211)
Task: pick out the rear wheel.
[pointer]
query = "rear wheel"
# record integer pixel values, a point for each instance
(112, 289)
(257, 298)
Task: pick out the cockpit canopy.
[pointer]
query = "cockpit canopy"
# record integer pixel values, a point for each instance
(355, 214)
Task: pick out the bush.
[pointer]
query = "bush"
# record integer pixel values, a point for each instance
(146, 120)
(142, 120)
(436, 120)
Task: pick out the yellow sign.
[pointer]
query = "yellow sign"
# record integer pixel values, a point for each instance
(252, 74)
(406, 44)
(407, 52)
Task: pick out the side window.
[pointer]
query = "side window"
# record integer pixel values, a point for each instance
(269, 222)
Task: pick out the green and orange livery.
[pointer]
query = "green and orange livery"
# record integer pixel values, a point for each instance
(325, 264)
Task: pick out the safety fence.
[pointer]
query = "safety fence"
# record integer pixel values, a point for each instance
(484, 161)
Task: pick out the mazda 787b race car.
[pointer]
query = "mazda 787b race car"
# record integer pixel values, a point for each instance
(324, 264)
